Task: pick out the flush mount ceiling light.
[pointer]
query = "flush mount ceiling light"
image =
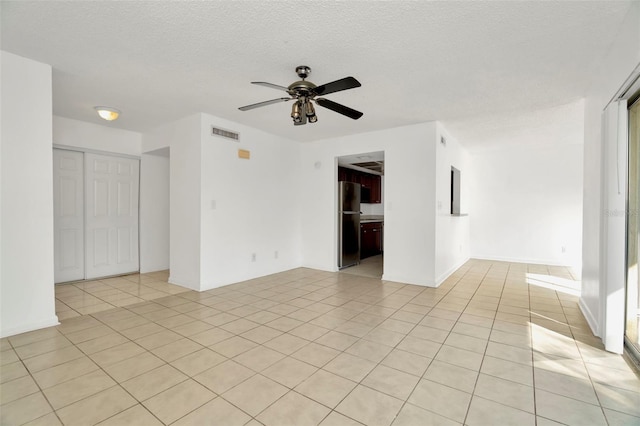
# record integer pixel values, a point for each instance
(107, 113)
(303, 92)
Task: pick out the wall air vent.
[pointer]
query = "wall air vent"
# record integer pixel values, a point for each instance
(225, 133)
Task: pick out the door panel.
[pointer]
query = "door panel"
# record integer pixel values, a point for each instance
(100, 198)
(68, 219)
(124, 245)
(100, 247)
(112, 215)
(124, 199)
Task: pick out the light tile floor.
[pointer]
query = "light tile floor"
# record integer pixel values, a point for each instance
(306, 347)
(88, 297)
(368, 267)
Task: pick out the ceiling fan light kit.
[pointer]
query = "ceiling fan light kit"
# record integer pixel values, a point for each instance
(304, 93)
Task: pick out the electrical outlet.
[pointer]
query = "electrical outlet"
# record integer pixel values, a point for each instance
(253, 257)
(564, 249)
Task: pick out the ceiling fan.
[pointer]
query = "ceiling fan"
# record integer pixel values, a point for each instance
(305, 92)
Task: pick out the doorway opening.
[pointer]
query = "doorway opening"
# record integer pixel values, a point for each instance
(361, 227)
(155, 207)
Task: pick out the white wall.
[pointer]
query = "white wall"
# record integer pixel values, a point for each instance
(409, 199)
(256, 204)
(80, 134)
(26, 277)
(154, 210)
(527, 203)
(184, 140)
(452, 232)
(222, 208)
(611, 73)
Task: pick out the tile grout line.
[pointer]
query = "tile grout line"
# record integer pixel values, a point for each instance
(488, 340)
(533, 365)
(38, 385)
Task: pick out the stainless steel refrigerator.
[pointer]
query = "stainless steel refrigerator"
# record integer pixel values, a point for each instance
(349, 227)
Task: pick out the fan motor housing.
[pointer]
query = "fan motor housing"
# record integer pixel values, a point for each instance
(301, 88)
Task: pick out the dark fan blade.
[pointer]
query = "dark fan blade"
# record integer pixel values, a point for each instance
(336, 86)
(340, 109)
(273, 86)
(265, 103)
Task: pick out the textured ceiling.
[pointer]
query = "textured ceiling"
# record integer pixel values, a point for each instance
(417, 61)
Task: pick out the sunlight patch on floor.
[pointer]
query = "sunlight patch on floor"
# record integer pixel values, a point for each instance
(563, 285)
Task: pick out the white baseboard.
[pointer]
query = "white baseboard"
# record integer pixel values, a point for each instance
(319, 267)
(591, 319)
(182, 283)
(521, 260)
(50, 322)
(447, 274)
(407, 280)
(147, 269)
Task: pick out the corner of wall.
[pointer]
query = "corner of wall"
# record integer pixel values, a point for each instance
(442, 277)
(32, 326)
(588, 315)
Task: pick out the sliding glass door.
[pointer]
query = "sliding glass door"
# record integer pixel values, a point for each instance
(632, 337)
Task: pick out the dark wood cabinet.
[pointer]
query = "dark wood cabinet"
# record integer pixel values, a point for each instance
(371, 239)
(376, 189)
(367, 180)
(343, 175)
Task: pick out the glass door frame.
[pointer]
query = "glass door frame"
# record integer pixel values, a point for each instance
(632, 213)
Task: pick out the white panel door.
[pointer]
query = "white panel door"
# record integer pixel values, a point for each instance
(68, 219)
(111, 215)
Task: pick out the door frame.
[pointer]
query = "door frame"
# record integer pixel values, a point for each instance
(614, 198)
(633, 100)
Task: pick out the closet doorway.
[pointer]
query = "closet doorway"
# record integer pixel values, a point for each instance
(95, 215)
